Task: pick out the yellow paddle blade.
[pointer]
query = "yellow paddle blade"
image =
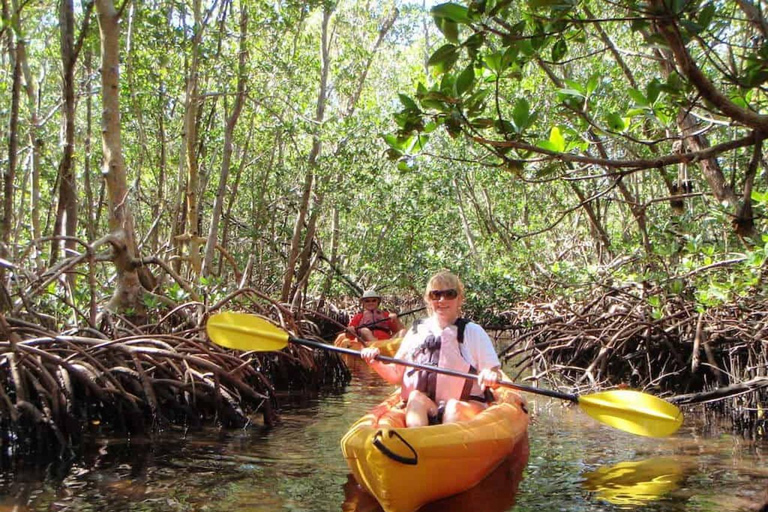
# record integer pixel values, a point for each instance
(242, 331)
(633, 412)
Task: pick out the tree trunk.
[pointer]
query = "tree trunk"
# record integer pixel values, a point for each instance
(304, 258)
(465, 225)
(91, 220)
(128, 290)
(322, 97)
(66, 212)
(13, 142)
(35, 142)
(190, 132)
(636, 209)
(692, 137)
(598, 232)
(228, 134)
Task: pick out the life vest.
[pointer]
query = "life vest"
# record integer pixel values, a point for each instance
(380, 319)
(434, 351)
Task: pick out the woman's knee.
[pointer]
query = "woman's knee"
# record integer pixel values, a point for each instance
(416, 395)
(419, 408)
(452, 411)
(456, 410)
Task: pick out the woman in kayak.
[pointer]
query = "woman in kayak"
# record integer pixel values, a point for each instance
(443, 339)
(372, 323)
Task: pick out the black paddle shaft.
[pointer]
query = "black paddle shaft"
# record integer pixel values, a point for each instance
(436, 369)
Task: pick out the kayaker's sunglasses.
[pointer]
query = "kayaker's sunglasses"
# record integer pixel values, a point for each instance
(370, 300)
(449, 294)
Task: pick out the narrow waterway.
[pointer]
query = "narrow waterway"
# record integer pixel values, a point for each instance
(575, 464)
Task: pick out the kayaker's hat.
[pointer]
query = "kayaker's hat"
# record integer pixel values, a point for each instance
(370, 294)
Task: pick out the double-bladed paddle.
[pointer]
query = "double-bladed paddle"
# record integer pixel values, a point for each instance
(624, 409)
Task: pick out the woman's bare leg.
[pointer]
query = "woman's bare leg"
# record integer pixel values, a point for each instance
(418, 410)
(457, 410)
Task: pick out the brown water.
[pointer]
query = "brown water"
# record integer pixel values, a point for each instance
(575, 464)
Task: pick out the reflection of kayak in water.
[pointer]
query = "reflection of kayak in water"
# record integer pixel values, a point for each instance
(634, 483)
(387, 347)
(495, 493)
(405, 468)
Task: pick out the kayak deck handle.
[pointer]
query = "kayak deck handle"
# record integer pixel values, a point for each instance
(378, 443)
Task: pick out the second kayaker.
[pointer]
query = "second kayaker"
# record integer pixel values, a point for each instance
(446, 340)
(373, 323)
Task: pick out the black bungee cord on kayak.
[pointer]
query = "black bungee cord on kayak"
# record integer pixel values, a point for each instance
(377, 442)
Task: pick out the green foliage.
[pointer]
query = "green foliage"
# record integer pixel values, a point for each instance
(470, 162)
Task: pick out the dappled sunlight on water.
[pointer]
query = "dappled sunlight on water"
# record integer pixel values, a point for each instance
(575, 464)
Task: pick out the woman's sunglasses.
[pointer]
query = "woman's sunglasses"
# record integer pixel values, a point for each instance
(449, 294)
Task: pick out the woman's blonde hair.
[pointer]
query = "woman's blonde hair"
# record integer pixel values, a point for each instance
(444, 280)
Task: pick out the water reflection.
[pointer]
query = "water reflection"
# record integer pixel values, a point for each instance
(635, 483)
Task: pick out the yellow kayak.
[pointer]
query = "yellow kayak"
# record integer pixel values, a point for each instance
(495, 493)
(387, 347)
(405, 468)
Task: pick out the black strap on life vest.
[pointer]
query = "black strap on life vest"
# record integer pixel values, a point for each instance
(428, 381)
(461, 325)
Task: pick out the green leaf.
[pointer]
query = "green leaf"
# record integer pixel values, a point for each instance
(657, 41)
(556, 141)
(556, 138)
(571, 92)
(615, 122)
(451, 11)
(499, 7)
(482, 123)
(760, 197)
(545, 144)
(474, 42)
(420, 142)
(449, 28)
(638, 97)
(405, 165)
(408, 103)
(476, 102)
(493, 61)
(538, 4)
(559, 49)
(576, 86)
(465, 80)
(706, 15)
(392, 141)
(521, 115)
(444, 58)
(592, 84)
(639, 24)
(652, 90)
(503, 126)
(691, 27)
